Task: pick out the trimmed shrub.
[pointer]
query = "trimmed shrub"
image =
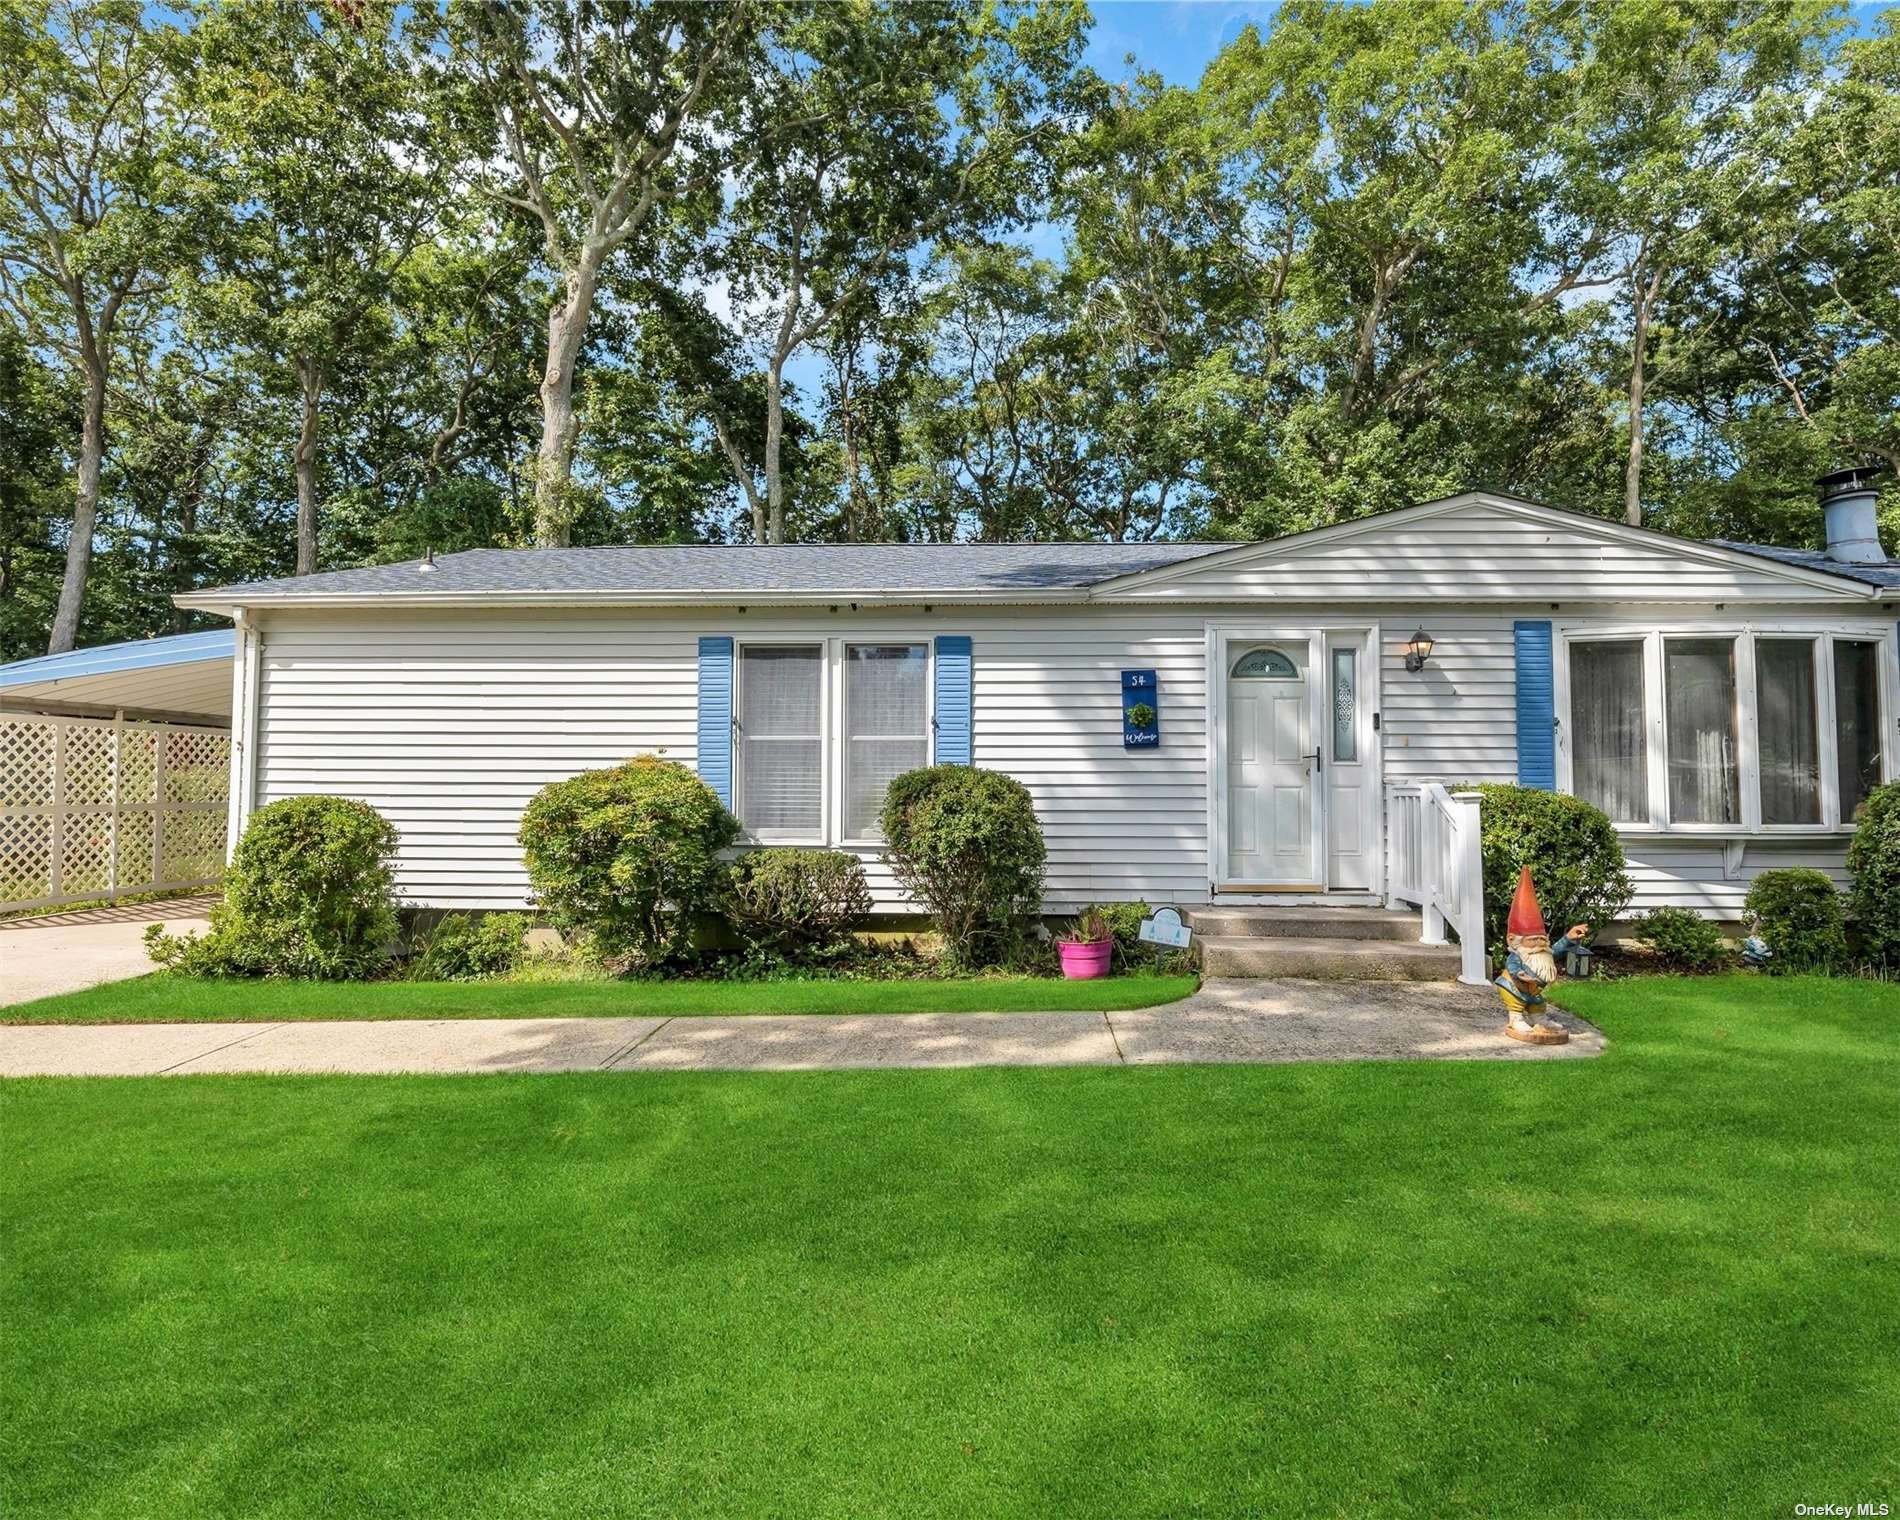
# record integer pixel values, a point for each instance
(1798, 913)
(1571, 847)
(464, 948)
(791, 900)
(629, 855)
(309, 893)
(966, 845)
(1873, 859)
(1683, 940)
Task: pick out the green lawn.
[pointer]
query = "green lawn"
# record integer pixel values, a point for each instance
(1664, 1282)
(170, 999)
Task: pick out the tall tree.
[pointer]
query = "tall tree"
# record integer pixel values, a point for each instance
(83, 122)
(324, 178)
(868, 134)
(602, 117)
(1664, 147)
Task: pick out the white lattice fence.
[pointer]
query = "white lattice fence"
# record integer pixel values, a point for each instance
(91, 808)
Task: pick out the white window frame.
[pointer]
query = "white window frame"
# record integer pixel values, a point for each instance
(832, 743)
(1823, 634)
(841, 741)
(783, 641)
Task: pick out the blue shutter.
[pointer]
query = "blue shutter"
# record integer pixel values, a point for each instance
(715, 715)
(953, 699)
(1536, 708)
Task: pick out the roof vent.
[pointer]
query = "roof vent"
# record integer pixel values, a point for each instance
(427, 567)
(1847, 502)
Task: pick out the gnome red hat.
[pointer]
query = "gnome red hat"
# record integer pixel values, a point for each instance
(1526, 917)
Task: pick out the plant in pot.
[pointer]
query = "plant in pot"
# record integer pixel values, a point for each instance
(1085, 950)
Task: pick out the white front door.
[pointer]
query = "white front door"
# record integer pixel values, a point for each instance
(1273, 817)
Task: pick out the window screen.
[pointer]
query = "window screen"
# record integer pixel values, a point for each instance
(1789, 735)
(1608, 746)
(781, 739)
(886, 726)
(1856, 720)
(1699, 693)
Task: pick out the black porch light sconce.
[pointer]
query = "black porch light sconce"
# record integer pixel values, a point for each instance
(1417, 651)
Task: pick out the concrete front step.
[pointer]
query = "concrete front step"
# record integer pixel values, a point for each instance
(1305, 923)
(1361, 960)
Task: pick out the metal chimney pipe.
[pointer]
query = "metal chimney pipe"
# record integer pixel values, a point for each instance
(1848, 498)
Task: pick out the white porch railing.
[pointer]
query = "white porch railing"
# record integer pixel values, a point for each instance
(101, 807)
(1434, 860)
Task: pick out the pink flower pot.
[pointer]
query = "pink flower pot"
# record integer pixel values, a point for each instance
(1081, 963)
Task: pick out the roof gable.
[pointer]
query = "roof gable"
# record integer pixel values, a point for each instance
(1478, 547)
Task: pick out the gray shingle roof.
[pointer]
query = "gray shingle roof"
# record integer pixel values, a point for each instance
(697, 570)
(1884, 575)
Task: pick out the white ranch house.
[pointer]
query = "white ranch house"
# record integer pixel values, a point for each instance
(1727, 705)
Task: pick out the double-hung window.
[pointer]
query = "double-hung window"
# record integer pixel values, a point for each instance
(781, 713)
(821, 728)
(1724, 731)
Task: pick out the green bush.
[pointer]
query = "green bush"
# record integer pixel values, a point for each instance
(629, 855)
(1873, 860)
(1571, 847)
(461, 948)
(1683, 940)
(966, 845)
(793, 901)
(309, 893)
(1798, 913)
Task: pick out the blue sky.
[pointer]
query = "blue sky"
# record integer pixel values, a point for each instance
(1180, 37)
(1177, 37)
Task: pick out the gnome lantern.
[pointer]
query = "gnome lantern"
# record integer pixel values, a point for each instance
(1531, 966)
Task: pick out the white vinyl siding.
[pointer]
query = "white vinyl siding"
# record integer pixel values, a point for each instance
(450, 721)
(1484, 551)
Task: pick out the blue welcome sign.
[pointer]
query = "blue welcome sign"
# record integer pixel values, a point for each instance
(1141, 710)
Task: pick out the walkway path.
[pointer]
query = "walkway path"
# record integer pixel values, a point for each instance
(1226, 1021)
(64, 952)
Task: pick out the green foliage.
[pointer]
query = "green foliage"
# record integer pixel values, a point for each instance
(1091, 927)
(1141, 714)
(1373, 255)
(1683, 940)
(309, 893)
(965, 843)
(1873, 860)
(1575, 858)
(465, 948)
(1798, 913)
(629, 855)
(792, 901)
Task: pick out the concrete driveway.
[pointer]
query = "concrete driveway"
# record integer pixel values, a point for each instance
(63, 952)
(1251, 1021)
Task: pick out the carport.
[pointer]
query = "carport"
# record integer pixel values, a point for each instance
(115, 770)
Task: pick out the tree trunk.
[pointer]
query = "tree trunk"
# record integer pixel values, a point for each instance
(310, 378)
(560, 424)
(1645, 298)
(856, 509)
(92, 449)
(774, 434)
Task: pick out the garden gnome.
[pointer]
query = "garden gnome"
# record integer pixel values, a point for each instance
(1531, 966)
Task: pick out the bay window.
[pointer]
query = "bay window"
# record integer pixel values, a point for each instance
(1731, 731)
(820, 729)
